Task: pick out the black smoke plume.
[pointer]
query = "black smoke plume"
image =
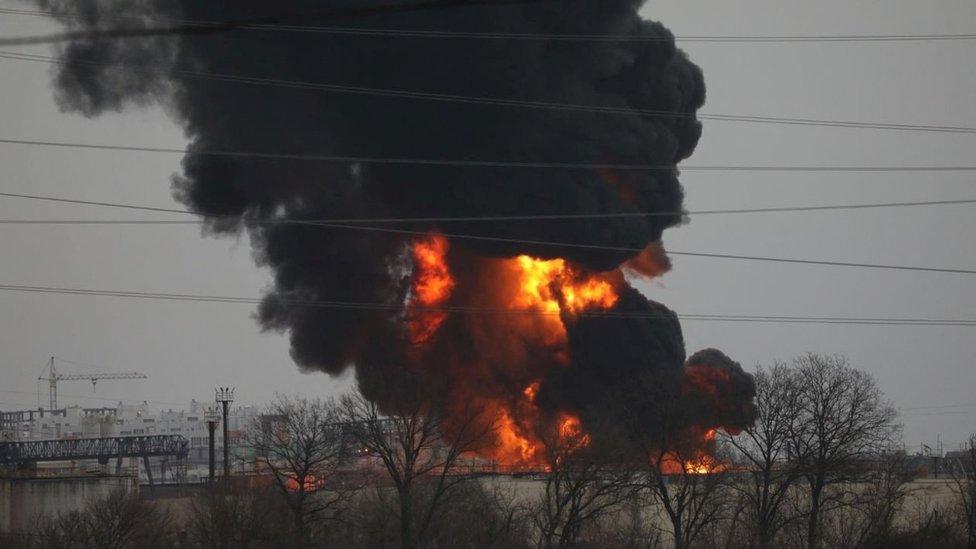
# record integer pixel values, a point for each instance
(101, 73)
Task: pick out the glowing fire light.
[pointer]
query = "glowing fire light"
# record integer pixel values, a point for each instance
(706, 380)
(571, 433)
(703, 463)
(545, 284)
(512, 446)
(553, 286)
(432, 285)
(311, 483)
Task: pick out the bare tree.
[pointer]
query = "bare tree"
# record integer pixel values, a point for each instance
(300, 442)
(480, 514)
(124, 520)
(223, 517)
(882, 498)
(690, 487)
(418, 447)
(842, 422)
(928, 522)
(64, 530)
(582, 485)
(763, 447)
(678, 471)
(867, 517)
(964, 474)
(118, 520)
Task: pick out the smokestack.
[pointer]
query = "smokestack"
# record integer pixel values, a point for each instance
(544, 331)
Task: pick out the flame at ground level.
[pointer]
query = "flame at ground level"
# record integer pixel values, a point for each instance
(514, 362)
(700, 462)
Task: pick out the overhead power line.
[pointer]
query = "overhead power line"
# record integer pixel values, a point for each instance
(352, 305)
(946, 413)
(515, 103)
(455, 219)
(485, 163)
(446, 34)
(333, 14)
(488, 238)
(638, 250)
(939, 406)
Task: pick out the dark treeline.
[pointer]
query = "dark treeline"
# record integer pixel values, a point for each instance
(821, 467)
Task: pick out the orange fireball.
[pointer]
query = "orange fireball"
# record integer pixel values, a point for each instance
(550, 284)
(431, 286)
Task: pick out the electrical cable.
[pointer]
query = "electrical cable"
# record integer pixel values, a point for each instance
(515, 103)
(352, 305)
(184, 25)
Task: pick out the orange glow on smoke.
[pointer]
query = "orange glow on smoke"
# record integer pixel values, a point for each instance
(311, 483)
(706, 380)
(555, 287)
(512, 446)
(432, 282)
(432, 285)
(702, 463)
(571, 433)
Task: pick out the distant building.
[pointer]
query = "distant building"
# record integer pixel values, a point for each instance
(134, 420)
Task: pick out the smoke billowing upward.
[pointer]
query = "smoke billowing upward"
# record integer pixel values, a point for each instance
(525, 344)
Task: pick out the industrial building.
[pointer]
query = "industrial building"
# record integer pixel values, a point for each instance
(127, 420)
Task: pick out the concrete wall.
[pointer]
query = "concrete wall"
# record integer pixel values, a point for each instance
(22, 500)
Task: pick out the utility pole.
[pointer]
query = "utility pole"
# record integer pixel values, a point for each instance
(225, 395)
(53, 387)
(212, 416)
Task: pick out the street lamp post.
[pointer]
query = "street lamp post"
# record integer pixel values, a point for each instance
(225, 395)
(212, 416)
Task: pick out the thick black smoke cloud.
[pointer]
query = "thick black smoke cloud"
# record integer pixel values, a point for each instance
(314, 263)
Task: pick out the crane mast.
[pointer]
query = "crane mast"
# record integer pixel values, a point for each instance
(54, 377)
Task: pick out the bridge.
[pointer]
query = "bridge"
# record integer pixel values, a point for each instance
(23, 454)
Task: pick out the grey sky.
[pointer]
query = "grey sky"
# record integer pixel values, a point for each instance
(186, 348)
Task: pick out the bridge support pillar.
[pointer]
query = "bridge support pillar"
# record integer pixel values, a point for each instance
(145, 461)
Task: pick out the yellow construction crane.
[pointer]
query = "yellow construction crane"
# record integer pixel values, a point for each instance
(54, 377)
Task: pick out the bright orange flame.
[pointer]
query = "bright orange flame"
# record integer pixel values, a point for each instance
(432, 285)
(702, 464)
(311, 483)
(432, 279)
(513, 447)
(555, 287)
(571, 433)
(547, 282)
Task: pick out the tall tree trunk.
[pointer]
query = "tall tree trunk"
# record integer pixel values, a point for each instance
(765, 539)
(299, 528)
(406, 520)
(813, 521)
(679, 538)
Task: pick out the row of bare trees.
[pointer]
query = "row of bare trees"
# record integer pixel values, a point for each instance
(822, 426)
(820, 467)
(308, 445)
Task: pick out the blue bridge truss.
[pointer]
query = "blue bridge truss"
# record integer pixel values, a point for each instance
(102, 449)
